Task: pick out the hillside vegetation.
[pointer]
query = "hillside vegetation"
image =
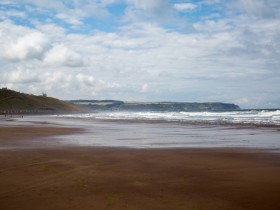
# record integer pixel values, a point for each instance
(12, 101)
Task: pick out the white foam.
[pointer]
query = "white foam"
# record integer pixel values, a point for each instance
(258, 117)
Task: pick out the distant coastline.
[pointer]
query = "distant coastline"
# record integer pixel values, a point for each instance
(112, 105)
(13, 102)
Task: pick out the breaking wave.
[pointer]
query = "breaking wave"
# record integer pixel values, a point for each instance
(247, 117)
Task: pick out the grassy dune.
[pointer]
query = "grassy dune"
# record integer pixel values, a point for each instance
(12, 100)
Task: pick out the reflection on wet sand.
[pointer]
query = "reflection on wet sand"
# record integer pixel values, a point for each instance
(45, 168)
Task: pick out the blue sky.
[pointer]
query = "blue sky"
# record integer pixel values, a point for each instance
(143, 50)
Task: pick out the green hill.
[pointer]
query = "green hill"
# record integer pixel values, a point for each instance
(15, 102)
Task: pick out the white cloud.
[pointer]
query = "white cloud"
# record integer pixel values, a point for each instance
(31, 45)
(151, 11)
(90, 8)
(20, 76)
(224, 58)
(213, 25)
(260, 8)
(182, 7)
(147, 4)
(108, 2)
(57, 32)
(211, 1)
(6, 2)
(12, 13)
(55, 81)
(87, 80)
(88, 84)
(46, 4)
(69, 19)
(60, 55)
(72, 11)
(249, 102)
(139, 55)
(144, 88)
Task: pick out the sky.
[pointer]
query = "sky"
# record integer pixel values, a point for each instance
(143, 50)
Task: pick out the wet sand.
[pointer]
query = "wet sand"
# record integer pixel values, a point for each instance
(117, 178)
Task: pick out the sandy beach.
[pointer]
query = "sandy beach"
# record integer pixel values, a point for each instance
(80, 177)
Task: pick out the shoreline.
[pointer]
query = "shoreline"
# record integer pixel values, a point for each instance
(238, 125)
(51, 176)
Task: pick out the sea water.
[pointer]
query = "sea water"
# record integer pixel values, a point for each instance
(243, 117)
(241, 129)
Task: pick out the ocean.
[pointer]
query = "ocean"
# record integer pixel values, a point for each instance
(242, 117)
(236, 129)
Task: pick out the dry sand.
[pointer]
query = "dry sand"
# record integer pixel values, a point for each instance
(106, 178)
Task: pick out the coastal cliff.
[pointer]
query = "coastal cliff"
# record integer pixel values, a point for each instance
(111, 105)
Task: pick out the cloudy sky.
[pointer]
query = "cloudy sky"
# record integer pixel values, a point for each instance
(143, 50)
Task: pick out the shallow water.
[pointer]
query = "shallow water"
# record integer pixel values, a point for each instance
(156, 134)
(172, 135)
